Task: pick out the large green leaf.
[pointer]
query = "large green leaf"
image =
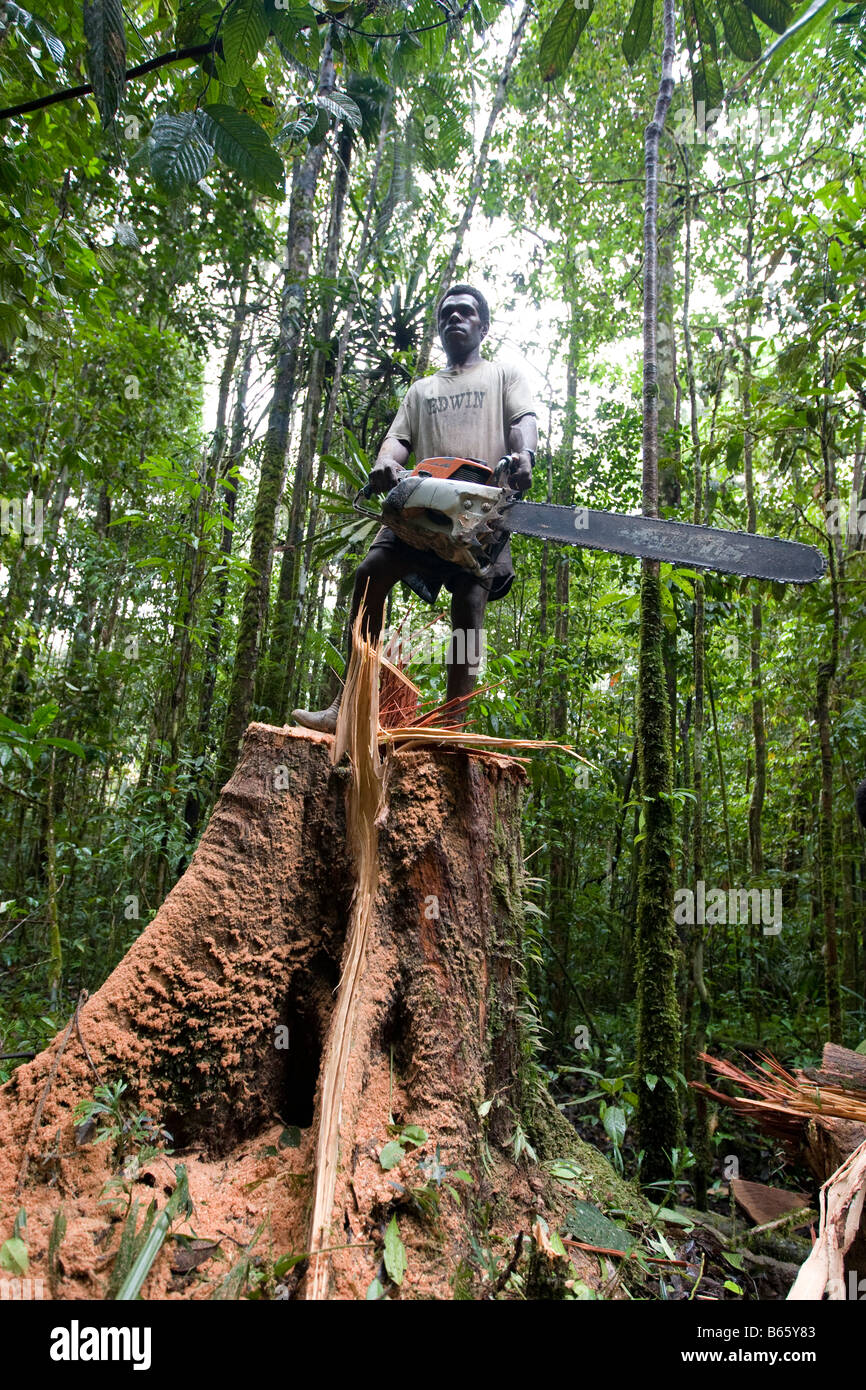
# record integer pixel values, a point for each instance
(707, 85)
(395, 1252)
(244, 34)
(638, 30)
(742, 37)
(297, 130)
(560, 41)
(105, 58)
(776, 14)
(15, 1258)
(34, 25)
(339, 105)
(817, 14)
(706, 31)
(297, 35)
(586, 1223)
(178, 1204)
(321, 127)
(286, 24)
(179, 153)
(245, 147)
(438, 138)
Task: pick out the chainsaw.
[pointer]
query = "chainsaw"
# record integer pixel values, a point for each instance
(464, 511)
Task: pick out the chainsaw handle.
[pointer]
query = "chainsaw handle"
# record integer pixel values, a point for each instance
(500, 477)
(364, 492)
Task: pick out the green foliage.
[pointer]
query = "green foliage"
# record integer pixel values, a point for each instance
(121, 276)
(243, 146)
(638, 30)
(142, 1248)
(115, 1118)
(180, 156)
(395, 1253)
(106, 54)
(561, 38)
(392, 1152)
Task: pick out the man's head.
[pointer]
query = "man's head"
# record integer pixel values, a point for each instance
(463, 318)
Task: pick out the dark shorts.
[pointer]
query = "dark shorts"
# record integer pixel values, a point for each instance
(429, 572)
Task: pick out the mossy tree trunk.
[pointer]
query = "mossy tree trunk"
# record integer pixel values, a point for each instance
(759, 732)
(825, 678)
(701, 1139)
(656, 947)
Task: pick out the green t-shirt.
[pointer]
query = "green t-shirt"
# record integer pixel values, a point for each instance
(463, 412)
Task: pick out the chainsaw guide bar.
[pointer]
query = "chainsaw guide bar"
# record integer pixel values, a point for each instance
(677, 542)
(458, 509)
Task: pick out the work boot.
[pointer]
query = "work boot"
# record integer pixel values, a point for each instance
(324, 721)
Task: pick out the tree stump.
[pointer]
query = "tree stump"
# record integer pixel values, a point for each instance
(218, 1018)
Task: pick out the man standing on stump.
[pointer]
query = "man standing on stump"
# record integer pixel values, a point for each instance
(471, 409)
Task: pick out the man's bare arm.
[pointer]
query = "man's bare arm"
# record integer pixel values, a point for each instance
(388, 468)
(522, 443)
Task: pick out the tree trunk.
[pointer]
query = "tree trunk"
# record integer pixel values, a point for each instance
(658, 1022)
(202, 792)
(668, 382)
(286, 628)
(759, 733)
(825, 678)
(276, 442)
(221, 1013)
(478, 175)
(702, 1140)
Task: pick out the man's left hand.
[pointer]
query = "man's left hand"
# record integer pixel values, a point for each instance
(520, 471)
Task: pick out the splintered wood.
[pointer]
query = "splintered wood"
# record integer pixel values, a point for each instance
(823, 1273)
(357, 734)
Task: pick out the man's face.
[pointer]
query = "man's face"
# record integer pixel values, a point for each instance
(460, 326)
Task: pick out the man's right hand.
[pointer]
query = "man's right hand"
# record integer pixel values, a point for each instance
(385, 475)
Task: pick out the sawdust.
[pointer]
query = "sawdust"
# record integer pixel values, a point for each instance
(251, 941)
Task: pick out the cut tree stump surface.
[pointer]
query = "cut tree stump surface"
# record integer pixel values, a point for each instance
(218, 1014)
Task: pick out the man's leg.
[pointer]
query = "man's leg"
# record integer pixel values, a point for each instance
(468, 605)
(376, 576)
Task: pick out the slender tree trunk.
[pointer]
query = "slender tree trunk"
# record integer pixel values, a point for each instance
(543, 606)
(759, 734)
(562, 858)
(658, 1022)
(339, 633)
(203, 790)
(286, 629)
(55, 946)
(668, 383)
(826, 676)
(275, 446)
(702, 1143)
(479, 173)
